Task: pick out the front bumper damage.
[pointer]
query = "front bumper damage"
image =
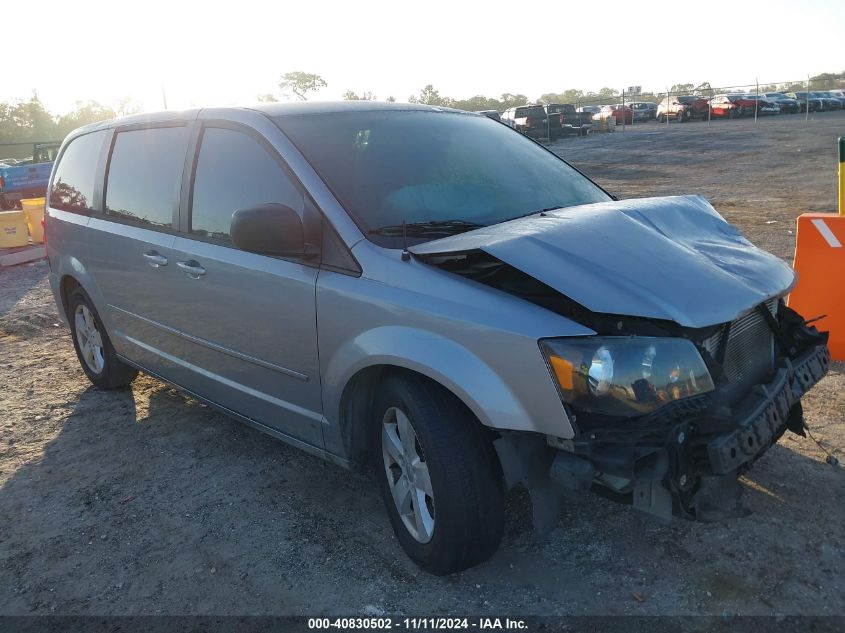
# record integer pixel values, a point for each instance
(689, 468)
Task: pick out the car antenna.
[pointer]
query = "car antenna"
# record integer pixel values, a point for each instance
(406, 254)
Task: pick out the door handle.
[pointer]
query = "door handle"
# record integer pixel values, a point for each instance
(193, 268)
(154, 259)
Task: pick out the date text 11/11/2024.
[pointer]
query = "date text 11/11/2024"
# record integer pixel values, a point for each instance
(429, 623)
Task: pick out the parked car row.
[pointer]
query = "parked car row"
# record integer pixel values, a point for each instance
(557, 119)
(819, 101)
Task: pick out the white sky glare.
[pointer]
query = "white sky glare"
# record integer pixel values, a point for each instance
(225, 53)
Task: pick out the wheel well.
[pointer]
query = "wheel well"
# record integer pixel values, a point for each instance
(66, 287)
(356, 407)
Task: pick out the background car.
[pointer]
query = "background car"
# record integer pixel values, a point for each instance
(744, 105)
(830, 103)
(696, 104)
(787, 105)
(807, 101)
(571, 122)
(682, 107)
(644, 110)
(764, 105)
(622, 113)
(532, 121)
(722, 106)
(590, 109)
(837, 95)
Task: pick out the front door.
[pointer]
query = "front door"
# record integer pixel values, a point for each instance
(248, 320)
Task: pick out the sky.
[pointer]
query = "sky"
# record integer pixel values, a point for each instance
(215, 53)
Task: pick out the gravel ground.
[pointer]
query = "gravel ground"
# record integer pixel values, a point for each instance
(143, 501)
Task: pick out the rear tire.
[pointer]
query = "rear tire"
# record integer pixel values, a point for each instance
(435, 462)
(93, 347)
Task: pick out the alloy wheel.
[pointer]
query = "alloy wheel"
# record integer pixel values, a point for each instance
(407, 474)
(89, 339)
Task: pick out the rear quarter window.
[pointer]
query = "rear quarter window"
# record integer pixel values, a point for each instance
(145, 175)
(76, 174)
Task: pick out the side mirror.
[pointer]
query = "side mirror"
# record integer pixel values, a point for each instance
(268, 229)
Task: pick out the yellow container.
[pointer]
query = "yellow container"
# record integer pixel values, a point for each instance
(12, 229)
(33, 209)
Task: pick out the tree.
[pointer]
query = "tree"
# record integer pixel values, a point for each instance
(567, 96)
(508, 100)
(351, 95)
(391, 99)
(26, 122)
(478, 102)
(430, 96)
(300, 83)
(85, 113)
(127, 106)
(267, 98)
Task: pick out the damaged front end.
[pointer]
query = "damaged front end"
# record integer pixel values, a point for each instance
(670, 403)
(683, 457)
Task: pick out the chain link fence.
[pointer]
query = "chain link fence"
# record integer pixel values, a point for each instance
(707, 97)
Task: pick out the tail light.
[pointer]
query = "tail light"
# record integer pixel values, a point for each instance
(44, 230)
(2, 182)
(562, 118)
(529, 121)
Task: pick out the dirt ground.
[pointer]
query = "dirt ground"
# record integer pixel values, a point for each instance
(145, 502)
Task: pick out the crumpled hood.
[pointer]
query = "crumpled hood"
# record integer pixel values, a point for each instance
(672, 258)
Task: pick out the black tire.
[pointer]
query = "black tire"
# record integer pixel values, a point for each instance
(732, 113)
(466, 480)
(114, 373)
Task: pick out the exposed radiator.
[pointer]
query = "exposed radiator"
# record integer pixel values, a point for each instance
(750, 349)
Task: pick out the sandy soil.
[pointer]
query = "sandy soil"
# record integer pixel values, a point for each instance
(145, 502)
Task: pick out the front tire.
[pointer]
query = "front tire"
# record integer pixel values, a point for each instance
(439, 476)
(93, 346)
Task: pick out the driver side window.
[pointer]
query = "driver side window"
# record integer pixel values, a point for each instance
(235, 171)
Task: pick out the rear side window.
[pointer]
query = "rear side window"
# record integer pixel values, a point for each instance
(235, 171)
(73, 184)
(145, 175)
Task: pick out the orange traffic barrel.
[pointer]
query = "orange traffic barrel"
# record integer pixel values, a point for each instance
(819, 260)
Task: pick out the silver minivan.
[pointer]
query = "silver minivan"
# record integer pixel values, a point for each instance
(429, 295)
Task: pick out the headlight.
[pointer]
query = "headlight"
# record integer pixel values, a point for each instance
(625, 376)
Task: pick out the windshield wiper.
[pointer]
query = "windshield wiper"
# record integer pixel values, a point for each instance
(428, 228)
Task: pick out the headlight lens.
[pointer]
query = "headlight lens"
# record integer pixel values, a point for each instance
(625, 376)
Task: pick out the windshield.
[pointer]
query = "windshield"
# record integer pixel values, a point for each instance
(389, 167)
